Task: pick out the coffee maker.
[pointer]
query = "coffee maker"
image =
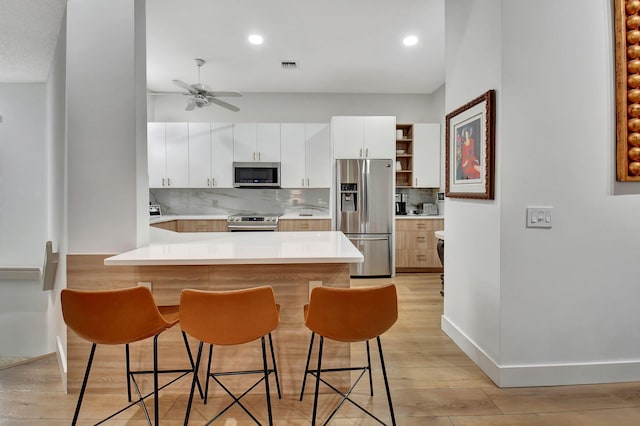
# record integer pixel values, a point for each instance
(401, 204)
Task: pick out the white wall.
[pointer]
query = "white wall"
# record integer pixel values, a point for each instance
(56, 189)
(302, 107)
(106, 133)
(472, 228)
(23, 205)
(563, 299)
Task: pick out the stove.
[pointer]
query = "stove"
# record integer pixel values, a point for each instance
(251, 222)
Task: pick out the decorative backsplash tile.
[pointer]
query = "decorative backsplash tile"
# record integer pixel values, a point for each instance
(229, 201)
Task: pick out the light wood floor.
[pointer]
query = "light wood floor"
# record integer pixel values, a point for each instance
(432, 381)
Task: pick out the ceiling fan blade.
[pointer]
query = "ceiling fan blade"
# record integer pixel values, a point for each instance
(224, 104)
(185, 86)
(190, 106)
(224, 94)
(150, 92)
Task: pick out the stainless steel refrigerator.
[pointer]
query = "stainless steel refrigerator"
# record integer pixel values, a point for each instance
(365, 212)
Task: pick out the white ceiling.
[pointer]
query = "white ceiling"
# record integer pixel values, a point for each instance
(342, 46)
(28, 35)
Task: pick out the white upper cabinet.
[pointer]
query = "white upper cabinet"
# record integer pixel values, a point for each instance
(305, 155)
(292, 146)
(256, 142)
(380, 137)
(318, 155)
(200, 155)
(222, 155)
(210, 155)
(156, 154)
(168, 155)
(426, 155)
(363, 137)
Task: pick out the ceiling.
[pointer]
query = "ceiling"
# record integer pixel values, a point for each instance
(352, 46)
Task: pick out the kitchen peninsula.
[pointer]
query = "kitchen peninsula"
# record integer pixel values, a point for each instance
(291, 262)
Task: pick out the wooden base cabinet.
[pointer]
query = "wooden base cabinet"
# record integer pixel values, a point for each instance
(416, 245)
(193, 225)
(304, 225)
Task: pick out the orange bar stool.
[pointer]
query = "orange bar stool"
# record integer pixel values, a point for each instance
(231, 318)
(121, 317)
(349, 315)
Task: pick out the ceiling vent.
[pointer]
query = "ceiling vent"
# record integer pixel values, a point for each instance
(289, 65)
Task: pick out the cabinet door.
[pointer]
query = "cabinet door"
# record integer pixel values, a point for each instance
(380, 137)
(292, 144)
(222, 155)
(347, 137)
(426, 155)
(268, 142)
(318, 155)
(156, 155)
(199, 155)
(177, 142)
(244, 142)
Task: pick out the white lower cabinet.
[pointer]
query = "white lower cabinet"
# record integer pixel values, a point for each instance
(305, 155)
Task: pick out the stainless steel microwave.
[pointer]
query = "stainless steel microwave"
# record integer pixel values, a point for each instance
(256, 175)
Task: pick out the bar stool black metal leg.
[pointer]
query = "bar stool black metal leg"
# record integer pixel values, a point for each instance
(126, 352)
(156, 403)
(206, 386)
(275, 366)
(193, 384)
(315, 396)
(266, 379)
(369, 368)
(306, 367)
(186, 344)
(386, 382)
(84, 384)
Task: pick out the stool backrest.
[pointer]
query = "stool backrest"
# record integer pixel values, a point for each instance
(352, 314)
(228, 317)
(112, 317)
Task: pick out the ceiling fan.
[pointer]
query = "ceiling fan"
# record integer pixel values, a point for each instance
(199, 95)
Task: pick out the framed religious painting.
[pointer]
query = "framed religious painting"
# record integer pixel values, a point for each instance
(470, 146)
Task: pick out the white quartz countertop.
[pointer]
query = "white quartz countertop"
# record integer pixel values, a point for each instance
(439, 235)
(225, 248)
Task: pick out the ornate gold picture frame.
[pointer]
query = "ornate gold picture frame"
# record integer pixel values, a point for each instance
(470, 146)
(627, 38)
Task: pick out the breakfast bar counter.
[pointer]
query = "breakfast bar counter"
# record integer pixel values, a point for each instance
(292, 263)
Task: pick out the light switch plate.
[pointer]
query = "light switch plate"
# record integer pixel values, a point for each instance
(539, 217)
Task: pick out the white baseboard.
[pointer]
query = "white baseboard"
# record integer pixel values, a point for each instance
(61, 355)
(523, 375)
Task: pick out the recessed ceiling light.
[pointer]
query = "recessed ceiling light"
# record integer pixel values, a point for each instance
(255, 39)
(410, 40)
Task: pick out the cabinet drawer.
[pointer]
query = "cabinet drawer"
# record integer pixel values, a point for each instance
(419, 224)
(169, 226)
(417, 259)
(304, 225)
(202, 226)
(413, 240)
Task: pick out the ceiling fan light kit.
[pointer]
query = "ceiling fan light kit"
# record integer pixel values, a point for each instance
(199, 94)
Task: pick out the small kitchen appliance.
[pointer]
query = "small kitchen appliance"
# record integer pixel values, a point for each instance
(401, 204)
